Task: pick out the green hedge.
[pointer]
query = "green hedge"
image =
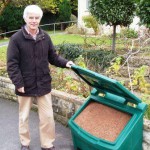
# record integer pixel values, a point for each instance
(96, 60)
(11, 18)
(69, 51)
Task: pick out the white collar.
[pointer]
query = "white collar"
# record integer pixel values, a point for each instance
(34, 36)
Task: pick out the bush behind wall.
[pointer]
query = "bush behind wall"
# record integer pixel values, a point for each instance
(96, 60)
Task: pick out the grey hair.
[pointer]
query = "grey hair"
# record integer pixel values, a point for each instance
(32, 9)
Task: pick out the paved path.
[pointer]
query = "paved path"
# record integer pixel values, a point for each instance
(9, 139)
(3, 44)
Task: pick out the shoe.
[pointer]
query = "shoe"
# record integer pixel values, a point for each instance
(52, 148)
(25, 147)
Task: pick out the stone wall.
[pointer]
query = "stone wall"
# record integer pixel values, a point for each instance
(64, 106)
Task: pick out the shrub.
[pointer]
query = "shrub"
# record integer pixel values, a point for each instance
(63, 14)
(129, 33)
(145, 98)
(73, 29)
(11, 18)
(90, 22)
(62, 80)
(73, 17)
(69, 51)
(139, 81)
(143, 11)
(98, 60)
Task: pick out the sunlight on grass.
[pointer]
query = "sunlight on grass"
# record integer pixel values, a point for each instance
(66, 38)
(3, 53)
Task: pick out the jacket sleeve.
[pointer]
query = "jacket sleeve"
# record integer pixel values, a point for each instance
(13, 69)
(54, 58)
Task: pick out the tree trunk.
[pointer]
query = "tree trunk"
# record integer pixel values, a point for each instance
(114, 39)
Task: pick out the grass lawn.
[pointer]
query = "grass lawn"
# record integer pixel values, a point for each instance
(66, 38)
(62, 38)
(59, 38)
(3, 53)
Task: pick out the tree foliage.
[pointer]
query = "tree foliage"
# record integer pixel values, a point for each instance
(64, 13)
(143, 11)
(11, 18)
(74, 6)
(3, 4)
(51, 6)
(64, 10)
(46, 5)
(91, 22)
(113, 13)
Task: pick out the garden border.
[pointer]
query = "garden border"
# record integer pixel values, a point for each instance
(64, 106)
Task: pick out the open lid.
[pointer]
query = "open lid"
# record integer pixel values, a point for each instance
(105, 84)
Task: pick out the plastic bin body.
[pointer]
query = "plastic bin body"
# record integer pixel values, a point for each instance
(112, 94)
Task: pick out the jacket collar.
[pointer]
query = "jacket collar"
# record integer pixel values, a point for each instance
(40, 35)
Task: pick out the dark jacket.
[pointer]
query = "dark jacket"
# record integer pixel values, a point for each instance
(28, 62)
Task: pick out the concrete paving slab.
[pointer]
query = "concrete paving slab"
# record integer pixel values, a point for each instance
(9, 138)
